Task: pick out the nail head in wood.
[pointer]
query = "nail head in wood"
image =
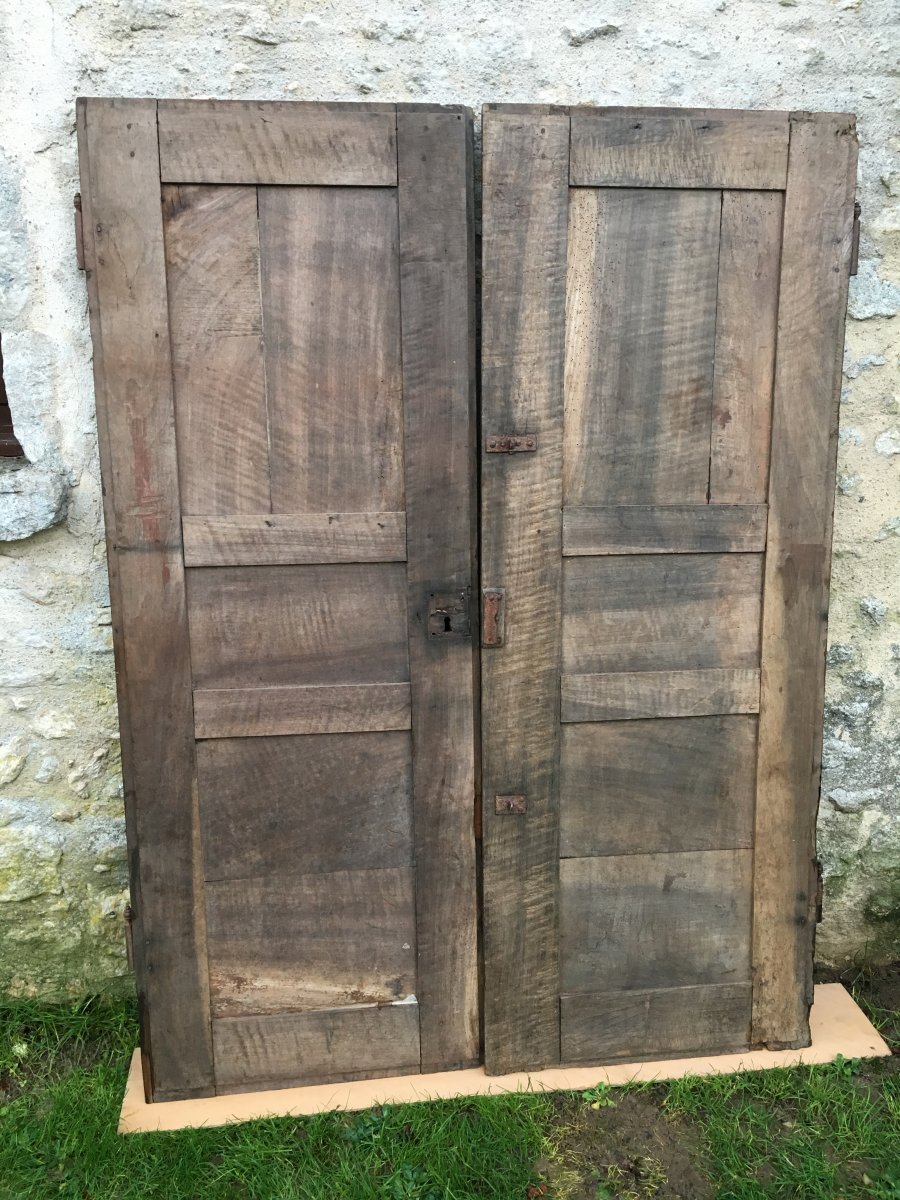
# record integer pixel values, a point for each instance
(512, 805)
(510, 443)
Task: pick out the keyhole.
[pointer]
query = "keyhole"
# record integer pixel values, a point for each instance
(447, 628)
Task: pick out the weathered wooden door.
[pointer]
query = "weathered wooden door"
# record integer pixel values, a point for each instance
(664, 295)
(282, 313)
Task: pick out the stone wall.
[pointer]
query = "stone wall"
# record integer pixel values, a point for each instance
(62, 858)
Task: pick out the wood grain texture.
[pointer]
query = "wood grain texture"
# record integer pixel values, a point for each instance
(818, 224)
(640, 340)
(655, 613)
(632, 695)
(601, 1026)
(315, 1047)
(664, 529)
(437, 318)
(212, 273)
(749, 258)
(295, 538)
(296, 942)
(335, 802)
(333, 373)
(269, 626)
(655, 920)
(249, 142)
(679, 150)
(632, 787)
(133, 378)
(524, 254)
(272, 711)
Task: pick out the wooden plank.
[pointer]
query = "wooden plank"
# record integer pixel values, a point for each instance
(295, 942)
(334, 376)
(438, 340)
(270, 711)
(525, 217)
(602, 1026)
(679, 150)
(749, 257)
(212, 272)
(254, 1053)
(294, 538)
(640, 341)
(631, 695)
(632, 787)
(655, 920)
(253, 142)
(116, 606)
(331, 624)
(133, 376)
(654, 613)
(664, 529)
(818, 226)
(335, 802)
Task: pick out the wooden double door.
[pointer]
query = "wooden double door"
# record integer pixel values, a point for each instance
(353, 852)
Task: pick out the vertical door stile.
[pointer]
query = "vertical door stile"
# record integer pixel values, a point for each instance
(437, 296)
(815, 266)
(526, 184)
(135, 402)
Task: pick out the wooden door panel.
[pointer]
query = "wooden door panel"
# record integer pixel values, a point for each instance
(747, 312)
(679, 148)
(311, 442)
(654, 920)
(340, 802)
(652, 576)
(656, 613)
(628, 787)
(253, 142)
(321, 624)
(709, 1019)
(641, 321)
(330, 287)
(290, 943)
(254, 1053)
(212, 276)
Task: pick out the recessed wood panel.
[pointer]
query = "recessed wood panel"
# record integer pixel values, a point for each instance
(331, 309)
(319, 708)
(600, 1026)
(632, 787)
(327, 802)
(266, 626)
(364, 1042)
(294, 942)
(654, 920)
(247, 141)
(640, 343)
(749, 263)
(692, 148)
(664, 529)
(212, 274)
(294, 538)
(633, 695)
(654, 613)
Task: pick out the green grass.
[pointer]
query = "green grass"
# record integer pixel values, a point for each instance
(815, 1133)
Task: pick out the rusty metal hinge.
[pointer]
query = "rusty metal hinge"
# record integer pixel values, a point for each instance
(448, 614)
(854, 243)
(79, 233)
(510, 443)
(493, 605)
(128, 914)
(817, 867)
